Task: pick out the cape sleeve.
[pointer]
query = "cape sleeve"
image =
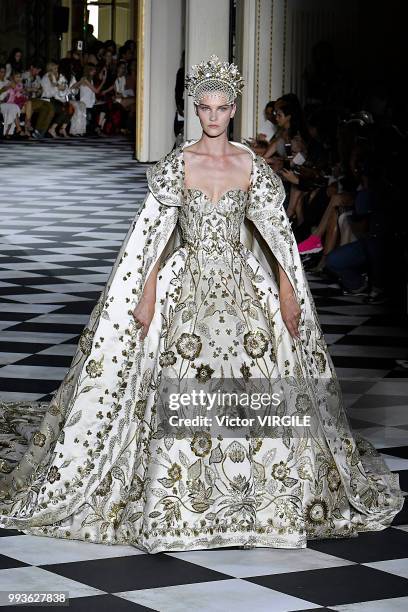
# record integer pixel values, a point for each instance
(265, 210)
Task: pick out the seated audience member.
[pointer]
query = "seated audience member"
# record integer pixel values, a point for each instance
(362, 265)
(42, 109)
(9, 111)
(290, 123)
(267, 130)
(308, 174)
(124, 97)
(268, 127)
(95, 112)
(14, 62)
(77, 59)
(131, 44)
(125, 55)
(67, 95)
(52, 84)
(110, 47)
(352, 149)
(15, 103)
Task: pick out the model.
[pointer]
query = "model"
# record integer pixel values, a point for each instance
(187, 300)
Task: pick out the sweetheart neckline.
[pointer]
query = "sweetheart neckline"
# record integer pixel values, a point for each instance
(214, 204)
(221, 197)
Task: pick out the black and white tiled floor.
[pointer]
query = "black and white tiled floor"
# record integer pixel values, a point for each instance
(64, 211)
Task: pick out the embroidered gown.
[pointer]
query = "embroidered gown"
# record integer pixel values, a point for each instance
(93, 464)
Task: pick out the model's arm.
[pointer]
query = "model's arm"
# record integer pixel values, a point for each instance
(144, 310)
(290, 309)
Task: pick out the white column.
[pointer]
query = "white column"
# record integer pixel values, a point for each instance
(244, 121)
(207, 32)
(280, 66)
(259, 51)
(159, 46)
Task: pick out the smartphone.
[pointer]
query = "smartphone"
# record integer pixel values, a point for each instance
(288, 148)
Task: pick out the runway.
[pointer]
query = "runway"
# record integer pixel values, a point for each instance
(65, 209)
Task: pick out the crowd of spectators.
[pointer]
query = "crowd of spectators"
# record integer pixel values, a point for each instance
(341, 160)
(85, 93)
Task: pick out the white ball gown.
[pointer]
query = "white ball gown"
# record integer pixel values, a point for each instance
(92, 464)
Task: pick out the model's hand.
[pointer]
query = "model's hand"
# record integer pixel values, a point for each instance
(290, 311)
(144, 312)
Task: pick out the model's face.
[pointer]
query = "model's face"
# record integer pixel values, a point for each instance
(215, 113)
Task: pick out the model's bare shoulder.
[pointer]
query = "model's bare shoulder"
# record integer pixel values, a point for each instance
(191, 149)
(244, 159)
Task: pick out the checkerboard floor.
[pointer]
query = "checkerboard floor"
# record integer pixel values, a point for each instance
(65, 209)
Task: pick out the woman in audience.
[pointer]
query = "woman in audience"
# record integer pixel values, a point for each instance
(53, 85)
(290, 122)
(9, 111)
(107, 67)
(110, 47)
(15, 103)
(308, 172)
(77, 60)
(124, 97)
(267, 130)
(365, 265)
(88, 92)
(14, 62)
(78, 118)
(343, 199)
(352, 149)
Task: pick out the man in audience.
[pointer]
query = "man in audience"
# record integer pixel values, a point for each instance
(42, 108)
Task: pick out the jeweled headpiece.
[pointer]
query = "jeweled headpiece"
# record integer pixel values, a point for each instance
(211, 76)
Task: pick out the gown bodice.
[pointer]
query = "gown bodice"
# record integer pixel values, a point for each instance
(212, 229)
